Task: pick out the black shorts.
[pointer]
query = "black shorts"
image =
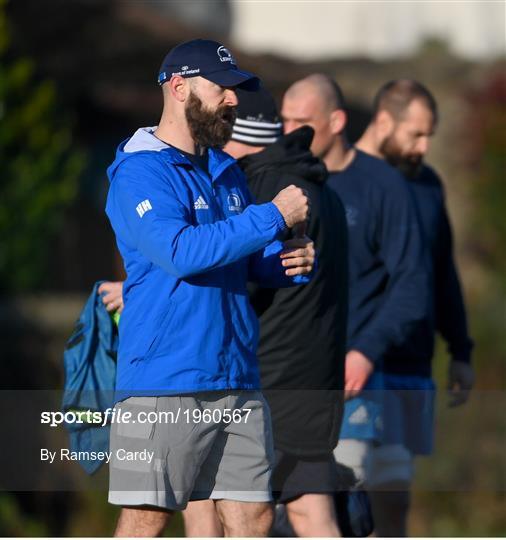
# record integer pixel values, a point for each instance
(294, 476)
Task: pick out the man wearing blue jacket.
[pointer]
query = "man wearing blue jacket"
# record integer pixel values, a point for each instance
(190, 240)
(388, 268)
(404, 119)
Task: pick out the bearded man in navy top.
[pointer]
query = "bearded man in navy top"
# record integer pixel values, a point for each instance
(405, 117)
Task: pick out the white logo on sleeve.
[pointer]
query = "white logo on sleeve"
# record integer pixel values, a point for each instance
(200, 204)
(143, 207)
(360, 416)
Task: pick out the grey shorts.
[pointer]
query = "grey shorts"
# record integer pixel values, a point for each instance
(207, 445)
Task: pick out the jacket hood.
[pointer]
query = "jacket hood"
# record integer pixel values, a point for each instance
(144, 141)
(291, 152)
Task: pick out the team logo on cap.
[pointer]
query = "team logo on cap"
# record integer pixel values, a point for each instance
(225, 55)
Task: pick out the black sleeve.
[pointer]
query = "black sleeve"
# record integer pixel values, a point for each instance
(264, 188)
(451, 320)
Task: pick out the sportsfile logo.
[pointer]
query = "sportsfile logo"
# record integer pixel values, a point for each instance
(200, 204)
(143, 207)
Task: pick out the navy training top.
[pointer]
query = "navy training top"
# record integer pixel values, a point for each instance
(389, 276)
(448, 304)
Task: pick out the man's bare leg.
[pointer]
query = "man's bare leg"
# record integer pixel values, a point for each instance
(245, 518)
(201, 520)
(313, 514)
(141, 522)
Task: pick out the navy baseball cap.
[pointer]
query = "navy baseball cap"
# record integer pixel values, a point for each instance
(208, 59)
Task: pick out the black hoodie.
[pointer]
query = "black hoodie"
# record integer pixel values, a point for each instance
(302, 329)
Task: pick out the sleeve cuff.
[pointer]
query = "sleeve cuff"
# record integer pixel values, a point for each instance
(461, 352)
(369, 352)
(277, 218)
(462, 357)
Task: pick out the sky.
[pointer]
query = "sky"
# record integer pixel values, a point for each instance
(377, 29)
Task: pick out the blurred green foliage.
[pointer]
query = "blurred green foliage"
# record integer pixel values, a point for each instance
(461, 489)
(39, 169)
(490, 190)
(489, 224)
(14, 522)
(90, 516)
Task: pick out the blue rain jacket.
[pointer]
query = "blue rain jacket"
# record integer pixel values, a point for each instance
(190, 241)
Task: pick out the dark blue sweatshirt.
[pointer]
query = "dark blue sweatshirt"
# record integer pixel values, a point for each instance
(448, 304)
(390, 280)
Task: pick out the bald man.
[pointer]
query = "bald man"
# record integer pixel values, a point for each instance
(388, 271)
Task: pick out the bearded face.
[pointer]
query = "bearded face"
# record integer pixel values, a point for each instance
(408, 163)
(209, 128)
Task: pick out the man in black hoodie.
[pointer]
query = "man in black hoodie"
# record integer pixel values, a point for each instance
(302, 330)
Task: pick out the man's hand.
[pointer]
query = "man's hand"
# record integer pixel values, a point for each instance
(293, 204)
(460, 382)
(113, 299)
(358, 369)
(298, 256)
